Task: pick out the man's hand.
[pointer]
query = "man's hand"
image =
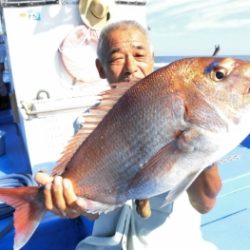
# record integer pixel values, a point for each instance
(60, 198)
(203, 191)
(143, 208)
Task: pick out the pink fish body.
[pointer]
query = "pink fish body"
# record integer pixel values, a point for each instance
(159, 135)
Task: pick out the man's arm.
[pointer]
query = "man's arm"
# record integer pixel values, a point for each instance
(203, 191)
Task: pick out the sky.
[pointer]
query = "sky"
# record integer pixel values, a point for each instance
(194, 27)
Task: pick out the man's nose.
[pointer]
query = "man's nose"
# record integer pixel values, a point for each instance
(131, 64)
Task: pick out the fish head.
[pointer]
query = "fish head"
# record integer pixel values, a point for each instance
(230, 77)
(223, 83)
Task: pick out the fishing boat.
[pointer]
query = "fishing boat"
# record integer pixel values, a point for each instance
(43, 94)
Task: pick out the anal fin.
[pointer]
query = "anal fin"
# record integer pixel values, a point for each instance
(181, 187)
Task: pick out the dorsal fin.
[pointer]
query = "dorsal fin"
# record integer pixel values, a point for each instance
(91, 120)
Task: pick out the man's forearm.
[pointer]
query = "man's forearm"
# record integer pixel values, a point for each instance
(204, 190)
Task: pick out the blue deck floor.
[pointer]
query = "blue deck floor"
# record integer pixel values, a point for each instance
(227, 225)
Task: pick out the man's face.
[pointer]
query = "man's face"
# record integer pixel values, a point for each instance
(128, 56)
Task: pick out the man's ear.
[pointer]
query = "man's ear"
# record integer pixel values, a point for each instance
(153, 59)
(100, 69)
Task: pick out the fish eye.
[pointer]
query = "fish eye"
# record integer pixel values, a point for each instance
(218, 74)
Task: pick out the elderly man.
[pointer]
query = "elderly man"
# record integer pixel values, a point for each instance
(125, 54)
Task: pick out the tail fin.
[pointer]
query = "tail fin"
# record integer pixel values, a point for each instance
(29, 210)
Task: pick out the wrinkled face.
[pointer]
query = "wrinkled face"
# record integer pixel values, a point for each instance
(128, 56)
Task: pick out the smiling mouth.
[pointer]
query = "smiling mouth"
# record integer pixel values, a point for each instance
(132, 79)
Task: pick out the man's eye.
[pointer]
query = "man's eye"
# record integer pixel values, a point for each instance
(140, 57)
(117, 60)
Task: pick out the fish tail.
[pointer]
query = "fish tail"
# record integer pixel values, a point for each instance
(29, 210)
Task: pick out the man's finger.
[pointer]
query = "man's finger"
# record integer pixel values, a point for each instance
(43, 178)
(48, 202)
(58, 197)
(71, 200)
(68, 192)
(143, 208)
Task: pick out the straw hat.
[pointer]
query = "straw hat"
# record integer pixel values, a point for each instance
(94, 13)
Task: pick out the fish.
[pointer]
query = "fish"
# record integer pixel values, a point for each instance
(147, 138)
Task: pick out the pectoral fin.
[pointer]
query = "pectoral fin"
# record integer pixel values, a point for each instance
(188, 140)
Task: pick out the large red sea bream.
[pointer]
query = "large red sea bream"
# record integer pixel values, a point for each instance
(157, 137)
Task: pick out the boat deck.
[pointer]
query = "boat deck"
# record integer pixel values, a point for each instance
(227, 225)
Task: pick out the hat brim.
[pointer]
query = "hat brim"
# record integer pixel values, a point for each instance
(89, 18)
